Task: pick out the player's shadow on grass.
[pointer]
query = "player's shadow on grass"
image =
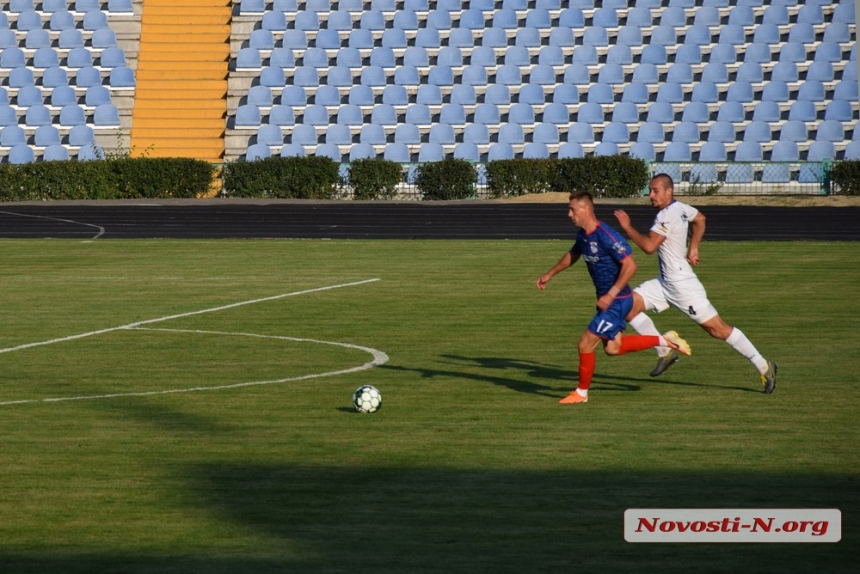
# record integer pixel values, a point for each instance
(532, 370)
(542, 371)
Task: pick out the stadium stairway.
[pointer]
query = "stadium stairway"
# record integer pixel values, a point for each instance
(182, 67)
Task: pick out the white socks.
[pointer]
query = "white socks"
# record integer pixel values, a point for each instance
(742, 345)
(643, 325)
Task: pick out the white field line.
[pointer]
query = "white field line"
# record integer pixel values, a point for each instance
(99, 227)
(379, 358)
(180, 315)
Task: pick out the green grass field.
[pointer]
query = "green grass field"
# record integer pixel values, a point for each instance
(470, 466)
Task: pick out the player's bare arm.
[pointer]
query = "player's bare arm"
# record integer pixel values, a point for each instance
(697, 231)
(566, 261)
(647, 243)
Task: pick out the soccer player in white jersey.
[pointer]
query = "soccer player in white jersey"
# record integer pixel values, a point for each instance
(678, 284)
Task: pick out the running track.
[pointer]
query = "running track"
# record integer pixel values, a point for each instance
(212, 219)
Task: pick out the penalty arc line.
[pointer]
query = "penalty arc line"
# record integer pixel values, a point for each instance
(379, 358)
(181, 315)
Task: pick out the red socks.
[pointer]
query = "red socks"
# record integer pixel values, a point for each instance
(586, 370)
(633, 343)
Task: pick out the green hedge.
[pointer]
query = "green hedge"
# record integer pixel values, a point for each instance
(374, 178)
(845, 177)
(314, 177)
(123, 178)
(605, 176)
(445, 180)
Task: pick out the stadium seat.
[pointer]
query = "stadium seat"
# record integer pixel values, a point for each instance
(29, 20)
(830, 131)
(476, 133)
(821, 150)
(304, 134)
(103, 38)
(46, 135)
(775, 91)
(651, 132)
(467, 151)
(282, 115)
(106, 115)
(713, 151)
(784, 72)
(21, 154)
(430, 95)
(37, 115)
(677, 151)
(337, 134)
(29, 96)
(794, 131)
(600, 94)
(723, 54)
(500, 151)
(670, 93)
(766, 112)
(570, 150)
(546, 133)
(12, 135)
(696, 112)
(397, 152)
(62, 96)
(119, 77)
(55, 152)
(661, 112)
(757, 131)
(643, 150)
(581, 133)
(687, 54)
(687, 132)
(784, 151)
(616, 133)
(430, 151)
(73, 115)
(839, 110)
(254, 152)
(590, 113)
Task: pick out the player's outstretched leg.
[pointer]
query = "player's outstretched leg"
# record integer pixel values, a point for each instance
(676, 343)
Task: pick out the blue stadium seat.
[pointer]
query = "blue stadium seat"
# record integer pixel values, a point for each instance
(409, 76)
(291, 96)
(713, 151)
(303, 134)
(837, 32)
(820, 72)
(748, 151)
(431, 151)
(687, 132)
(830, 131)
(29, 96)
(600, 94)
(62, 96)
(732, 34)
(112, 57)
(305, 21)
(254, 152)
(794, 131)
(249, 58)
(673, 16)
(580, 132)
(8, 116)
(500, 151)
(643, 150)
(677, 151)
(640, 16)
(605, 18)
(570, 150)
(292, 150)
(776, 14)
(37, 39)
(821, 150)
(330, 151)
(846, 90)
(282, 115)
(651, 132)
(46, 135)
(338, 134)
(731, 112)
(350, 115)
(467, 151)
(532, 94)
(493, 38)
(696, 112)
(106, 115)
(512, 134)
(610, 74)
(474, 75)
(616, 132)
(680, 73)
(802, 33)
(723, 54)
(477, 133)
(443, 76)
(784, 151)
(564, 94)
(21, 154)
(705, 92)
(536, 150)
(664, 36)
(766, 112)
(95, 19)
(784, 72)
(792, 52)
(521, 114)
(661, 112)
(546, 133)
(688, 54)
(627, 36)
(418, 114)
(757, 131)
(811, 90)
(750, 72)
(327, 96)
(740, 92)
(562, 37)
(37, 115)
(471, 20)
(596, 37)
(442, 134)
(12, 135)
(430, 95)
(315, 115)
(844, 12)
(839, 110)
(247, 115)
(670, 93)
(852, 150)
(528, 37)
(397, 152)
(635, 93)
(56, 152)
(775, 91)
(505, 19)
(383, 115)
(590, 113)
(707, 16)
(624, 112)
(29, 20)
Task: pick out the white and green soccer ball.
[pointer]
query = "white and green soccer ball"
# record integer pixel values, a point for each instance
(367, 399)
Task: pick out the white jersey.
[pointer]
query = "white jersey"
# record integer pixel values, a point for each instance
(673, 222)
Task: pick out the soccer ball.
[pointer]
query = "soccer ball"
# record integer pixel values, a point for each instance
(367, 399)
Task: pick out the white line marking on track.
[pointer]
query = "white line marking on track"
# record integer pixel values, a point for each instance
(99, 227)
(379, 357)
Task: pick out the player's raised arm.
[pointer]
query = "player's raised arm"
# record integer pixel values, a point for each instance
(647, 243)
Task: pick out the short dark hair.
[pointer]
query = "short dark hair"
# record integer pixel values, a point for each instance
(582, 196)
(666, 179)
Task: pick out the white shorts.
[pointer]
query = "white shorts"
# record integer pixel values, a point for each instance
(692, 300)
